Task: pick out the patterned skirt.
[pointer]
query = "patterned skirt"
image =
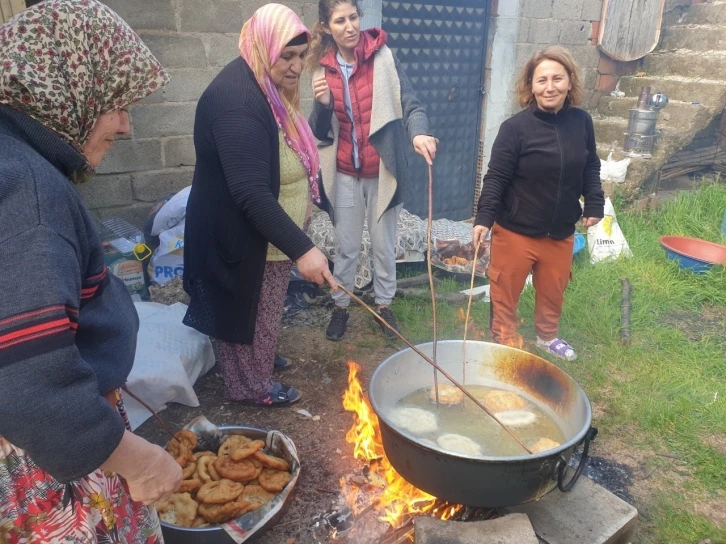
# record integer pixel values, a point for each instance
(247, 368)
(37, 509)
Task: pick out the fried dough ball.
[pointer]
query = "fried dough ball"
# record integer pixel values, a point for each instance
(502, 401)
(255, 493)
(201, 454)
(459, 443)
(219, 492)
(271, 461)
(222, 513)
(243, 451)
(517, 418)
(213, 471)
(203, 468)
(189, 486)
(179, 510)
(230, 443)
(181, 446)
(415, 420)
(274, 480)
(544, 444)
(448, 394)
(200, 522)
(243, 471)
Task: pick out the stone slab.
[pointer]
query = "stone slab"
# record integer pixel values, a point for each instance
(587, 514)
(511, 529)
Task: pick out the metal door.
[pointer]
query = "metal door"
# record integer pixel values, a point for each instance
(441, 45)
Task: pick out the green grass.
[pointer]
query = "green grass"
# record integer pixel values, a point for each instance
(667, 390)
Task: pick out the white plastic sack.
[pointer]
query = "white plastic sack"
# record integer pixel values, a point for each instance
(172, 213)
(605, 239)
(170, 357)
(167, 262)
(611, 170)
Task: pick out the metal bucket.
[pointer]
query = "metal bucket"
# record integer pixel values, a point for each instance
(642, 122)
(483, 481)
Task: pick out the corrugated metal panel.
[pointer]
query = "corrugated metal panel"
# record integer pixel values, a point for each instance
(441, 44)
(371, 13)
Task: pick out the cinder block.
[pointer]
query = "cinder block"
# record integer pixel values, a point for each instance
(543, 31)
(145, 14)
(589, 513)
(158, 120)
(188, 85)
(537, 9)
(223, 49)
(523, 31)
(574, 32)
(512, 528)
(176, 51)
(103, 190)
(212, 15)
(151, 186)
(179, 151)
(586, 56)
(591, 10)
(567, 9)
(132, 156)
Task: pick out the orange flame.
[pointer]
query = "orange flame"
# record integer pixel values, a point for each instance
(399, 500)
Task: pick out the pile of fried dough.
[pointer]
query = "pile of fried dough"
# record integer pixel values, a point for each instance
(220, 487)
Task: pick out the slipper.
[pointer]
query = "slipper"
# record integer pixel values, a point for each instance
(282, 363)
(281, 395)
(558, 348)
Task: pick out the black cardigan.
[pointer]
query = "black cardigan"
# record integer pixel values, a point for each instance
(541, 163)
(233, 212)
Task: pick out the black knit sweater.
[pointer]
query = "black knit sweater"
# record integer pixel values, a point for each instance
(541, 163)
(233, 212)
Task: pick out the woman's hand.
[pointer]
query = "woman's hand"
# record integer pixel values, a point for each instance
(313, 266)
(588, 222)
(426, 147)
(322, 91)
(480, 235)
(150, 472)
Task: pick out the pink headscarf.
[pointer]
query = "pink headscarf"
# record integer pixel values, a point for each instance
(261, 43)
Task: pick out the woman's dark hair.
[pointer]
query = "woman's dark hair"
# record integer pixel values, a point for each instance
(322, 41)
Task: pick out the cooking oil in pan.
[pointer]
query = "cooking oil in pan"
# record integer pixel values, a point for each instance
(465, 428)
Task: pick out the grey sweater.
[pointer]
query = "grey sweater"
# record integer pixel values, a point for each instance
(67, 327)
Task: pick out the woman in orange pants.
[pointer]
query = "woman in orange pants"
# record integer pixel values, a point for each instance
(543, 160)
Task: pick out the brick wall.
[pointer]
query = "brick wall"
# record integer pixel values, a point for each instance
(193, 39)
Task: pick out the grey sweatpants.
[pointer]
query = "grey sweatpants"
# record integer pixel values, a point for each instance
(355, 203)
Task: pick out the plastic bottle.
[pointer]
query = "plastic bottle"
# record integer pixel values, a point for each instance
(120, 240)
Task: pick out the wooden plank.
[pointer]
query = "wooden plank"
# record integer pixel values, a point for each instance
(9, 8)
(17, 5)
(630, 29)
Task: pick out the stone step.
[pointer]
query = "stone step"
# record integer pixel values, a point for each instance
(697, 37)
(698, 14)
(612, 129)
(686, 63)
(711, 93)
(675, 113)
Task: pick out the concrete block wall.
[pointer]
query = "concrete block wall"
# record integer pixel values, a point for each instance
(193, 40)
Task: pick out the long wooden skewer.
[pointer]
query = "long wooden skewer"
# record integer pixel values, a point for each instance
(468, 311)
(437, 367)
(153, 412)
(431, 276)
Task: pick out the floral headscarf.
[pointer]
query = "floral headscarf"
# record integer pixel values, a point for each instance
(66, 62)
(263, 38)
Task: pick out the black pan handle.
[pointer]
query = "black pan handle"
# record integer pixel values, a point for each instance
(561, 467)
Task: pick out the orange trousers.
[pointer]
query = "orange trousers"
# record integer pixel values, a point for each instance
(513, 257)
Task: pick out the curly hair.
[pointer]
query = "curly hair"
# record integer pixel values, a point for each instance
(559, 55)
(321, 41)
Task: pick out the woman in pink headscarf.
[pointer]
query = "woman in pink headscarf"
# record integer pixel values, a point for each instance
(255, 177)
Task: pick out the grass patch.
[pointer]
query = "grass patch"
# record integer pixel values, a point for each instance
(667, 390)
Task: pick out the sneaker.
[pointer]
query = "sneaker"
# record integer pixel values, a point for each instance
(338, 323)
(281, 395)
(387, 315)
(558, 348)
(281, 363)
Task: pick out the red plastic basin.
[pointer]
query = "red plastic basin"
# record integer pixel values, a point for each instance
(695, 248)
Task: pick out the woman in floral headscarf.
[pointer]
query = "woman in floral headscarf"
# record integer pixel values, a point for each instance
(70, 469)
(256, 172)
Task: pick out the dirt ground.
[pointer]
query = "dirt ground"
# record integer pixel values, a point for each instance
(320, 373)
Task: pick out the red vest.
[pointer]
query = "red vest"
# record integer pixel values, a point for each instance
(360, 86)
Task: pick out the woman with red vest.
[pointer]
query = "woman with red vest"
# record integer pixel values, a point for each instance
(363, 101)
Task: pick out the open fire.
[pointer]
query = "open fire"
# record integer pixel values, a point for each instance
(396, 501)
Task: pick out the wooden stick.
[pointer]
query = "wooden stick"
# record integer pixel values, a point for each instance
(468, 311)
(625, 317)
(437, 367)
(431, 275)
(153, 413)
